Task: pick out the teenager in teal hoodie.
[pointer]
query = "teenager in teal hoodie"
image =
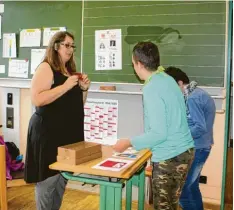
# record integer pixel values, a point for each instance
(166, 131)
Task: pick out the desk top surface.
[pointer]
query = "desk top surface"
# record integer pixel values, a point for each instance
(107, 152)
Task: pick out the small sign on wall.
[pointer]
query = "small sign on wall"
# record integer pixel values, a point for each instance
(108, 49)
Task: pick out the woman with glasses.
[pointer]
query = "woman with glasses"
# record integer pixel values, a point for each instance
(59, 96)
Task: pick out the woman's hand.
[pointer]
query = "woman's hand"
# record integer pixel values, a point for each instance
(85, 82)
(71, 82)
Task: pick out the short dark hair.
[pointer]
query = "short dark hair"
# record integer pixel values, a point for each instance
(177, 74)
(148, 54)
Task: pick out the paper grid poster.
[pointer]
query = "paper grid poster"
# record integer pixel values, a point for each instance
(108, 49)
(18, 68)
(9, 45)
(101, 121)
(49, 32)
(30, 38)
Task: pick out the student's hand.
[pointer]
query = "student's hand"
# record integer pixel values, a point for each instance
(71, 82)
(121, 145)
(85, 82)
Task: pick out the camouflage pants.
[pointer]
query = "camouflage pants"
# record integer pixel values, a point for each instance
(168, 179)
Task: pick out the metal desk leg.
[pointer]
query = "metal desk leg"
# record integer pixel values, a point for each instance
(102, 202)
(118, 198)
(110, 192)
(129, 194)
(111, 197)
(141, 190)
(137, 180)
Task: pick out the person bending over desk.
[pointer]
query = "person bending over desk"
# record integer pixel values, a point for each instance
(166, 131)
(59, 97)
(200, 114)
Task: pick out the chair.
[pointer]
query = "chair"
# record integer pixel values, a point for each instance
(3, 182)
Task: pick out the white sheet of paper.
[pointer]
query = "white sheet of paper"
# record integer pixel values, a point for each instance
(1, 8)
(0, 27)
(101, 121)
(49, 32)
(37, 56)
(113, 164)
(9, 45)
(108, 49)
(2, 69)
(30, 38)
(18, 68)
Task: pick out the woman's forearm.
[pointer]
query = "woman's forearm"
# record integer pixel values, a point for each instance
(48, 96)
(85, 94)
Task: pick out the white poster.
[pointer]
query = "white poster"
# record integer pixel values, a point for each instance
(30, 38)
(18, 68)
(108, 49)
(49, 32)
(101, 121)
(37, 55)
(9, 46)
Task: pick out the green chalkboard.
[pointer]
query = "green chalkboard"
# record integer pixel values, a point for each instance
(190, 35)
(28, 14)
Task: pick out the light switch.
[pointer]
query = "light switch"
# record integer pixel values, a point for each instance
(9, 98)
(10, 117)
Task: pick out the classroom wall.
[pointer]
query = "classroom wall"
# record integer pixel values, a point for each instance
(25, 114)
(213, 168)
(131, 123)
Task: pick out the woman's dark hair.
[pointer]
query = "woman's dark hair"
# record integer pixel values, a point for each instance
(177, 74)
(52, 57)
(147, 53)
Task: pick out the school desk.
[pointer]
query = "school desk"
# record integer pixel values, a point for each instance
(111, 182)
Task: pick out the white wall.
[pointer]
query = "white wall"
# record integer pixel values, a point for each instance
(12, 135)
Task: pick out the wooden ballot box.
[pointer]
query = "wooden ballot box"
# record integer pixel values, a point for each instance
(78, 153)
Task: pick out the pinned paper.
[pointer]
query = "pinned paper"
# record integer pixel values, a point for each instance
(1, 8)
(48, 33)
(30, 38)
(18, 68)
(37, 56)
(0, 27)
(9, 45)
(108, 49)
(2, 69)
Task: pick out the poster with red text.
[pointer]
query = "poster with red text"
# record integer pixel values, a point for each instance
(101, 121)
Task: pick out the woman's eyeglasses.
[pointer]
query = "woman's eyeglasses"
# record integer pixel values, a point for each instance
(68, 46)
